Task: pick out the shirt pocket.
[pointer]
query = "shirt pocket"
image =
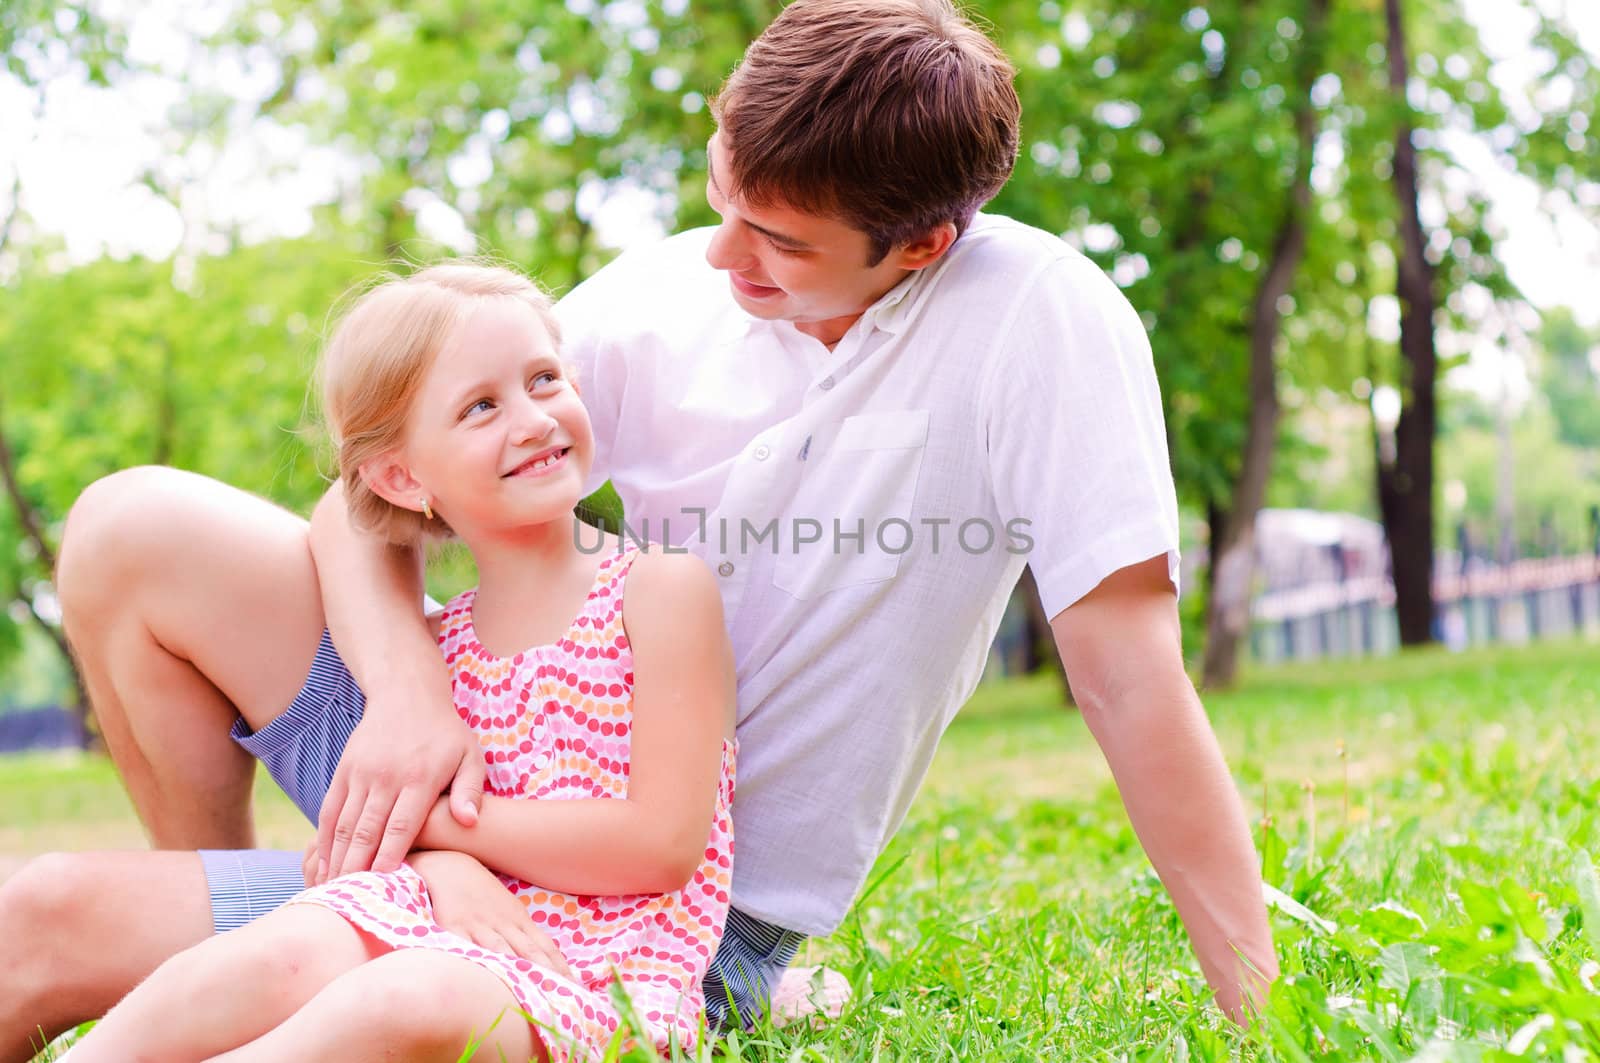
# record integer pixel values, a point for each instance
(855, 502)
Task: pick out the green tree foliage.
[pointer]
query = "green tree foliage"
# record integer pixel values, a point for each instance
(1162, 137)
(1554, 485)
(1568, 378)
(522, 118)
(110, 365)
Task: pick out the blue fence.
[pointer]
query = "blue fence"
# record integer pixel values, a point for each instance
(1486, 604)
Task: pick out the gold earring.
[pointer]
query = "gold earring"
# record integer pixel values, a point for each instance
(427, 510)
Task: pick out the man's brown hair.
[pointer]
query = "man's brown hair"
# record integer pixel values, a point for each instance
(894, 116)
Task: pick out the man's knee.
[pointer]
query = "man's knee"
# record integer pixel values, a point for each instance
(43, 923)
(81, 929)
(46, 896)
(113, 518)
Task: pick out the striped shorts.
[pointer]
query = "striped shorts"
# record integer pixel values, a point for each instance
(301, 748)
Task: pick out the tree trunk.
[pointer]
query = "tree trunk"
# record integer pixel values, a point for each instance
(1405, 485)
(45, 557)
(1233, 533)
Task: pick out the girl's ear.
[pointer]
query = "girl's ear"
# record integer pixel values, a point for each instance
(390, 479)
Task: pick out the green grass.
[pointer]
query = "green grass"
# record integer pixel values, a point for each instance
(1432, 816)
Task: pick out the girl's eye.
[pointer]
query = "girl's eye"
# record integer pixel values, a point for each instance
(545, 379)
(477, 407)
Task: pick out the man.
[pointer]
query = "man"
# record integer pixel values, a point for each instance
(864, 404)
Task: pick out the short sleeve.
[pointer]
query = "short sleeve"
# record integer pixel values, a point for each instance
(1076, 444)
(593, 344)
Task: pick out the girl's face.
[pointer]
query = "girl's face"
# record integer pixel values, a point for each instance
(498, 439)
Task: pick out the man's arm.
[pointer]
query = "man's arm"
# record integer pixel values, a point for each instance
(1122, 651)
(410, 745)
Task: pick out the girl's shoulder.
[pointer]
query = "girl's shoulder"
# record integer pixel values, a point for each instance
(670, 586)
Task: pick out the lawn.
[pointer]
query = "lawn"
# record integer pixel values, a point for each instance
(1428, 822)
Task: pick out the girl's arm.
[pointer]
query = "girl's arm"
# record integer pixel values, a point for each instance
(683, 706)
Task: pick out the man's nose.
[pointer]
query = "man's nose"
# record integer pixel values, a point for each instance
(729, 248)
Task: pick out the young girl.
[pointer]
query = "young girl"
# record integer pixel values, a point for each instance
(600, 686)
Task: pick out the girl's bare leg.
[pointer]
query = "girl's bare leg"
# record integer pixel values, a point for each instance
(229, 990)
(410, 1004)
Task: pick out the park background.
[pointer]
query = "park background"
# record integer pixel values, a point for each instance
(1362, 235)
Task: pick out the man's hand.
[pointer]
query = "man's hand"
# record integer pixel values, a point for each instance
(395, 766)
(469, 900)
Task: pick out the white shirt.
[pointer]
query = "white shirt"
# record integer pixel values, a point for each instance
(1008, 387)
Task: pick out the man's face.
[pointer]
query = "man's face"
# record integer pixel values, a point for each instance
(785, 265)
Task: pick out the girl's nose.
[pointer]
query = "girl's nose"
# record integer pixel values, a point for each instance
(533, 420)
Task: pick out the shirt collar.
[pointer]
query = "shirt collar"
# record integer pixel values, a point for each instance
(895, 310)
(898, 308)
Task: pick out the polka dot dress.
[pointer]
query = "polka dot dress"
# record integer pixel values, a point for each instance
(554, 723)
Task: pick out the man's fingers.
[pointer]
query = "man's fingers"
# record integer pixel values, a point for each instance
(368, 832)
(466, 790)
(405, 820)
(333, 803)
(360, 828)
(344, 828)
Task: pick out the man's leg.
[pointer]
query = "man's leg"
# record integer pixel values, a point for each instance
(82, 929)
(747, 967)
(187, 602)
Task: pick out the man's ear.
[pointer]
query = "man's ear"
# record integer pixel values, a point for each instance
(390, 479)
(926, 250)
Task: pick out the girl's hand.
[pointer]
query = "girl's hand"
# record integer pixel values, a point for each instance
(469, 900)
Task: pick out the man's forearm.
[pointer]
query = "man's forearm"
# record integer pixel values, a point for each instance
(372, 594)
(410, 746)
(1189, 818)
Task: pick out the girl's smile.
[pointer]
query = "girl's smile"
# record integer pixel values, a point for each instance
(542, 463)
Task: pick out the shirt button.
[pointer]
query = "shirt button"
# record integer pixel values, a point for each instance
(827, 383)
(763, 452)
(725, 569)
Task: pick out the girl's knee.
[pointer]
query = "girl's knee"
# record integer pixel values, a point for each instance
(296, 942)
(431, 1004)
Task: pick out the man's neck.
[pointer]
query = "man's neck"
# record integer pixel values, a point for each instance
(830, 332)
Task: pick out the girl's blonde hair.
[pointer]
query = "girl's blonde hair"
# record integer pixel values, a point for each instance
(373, 365)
